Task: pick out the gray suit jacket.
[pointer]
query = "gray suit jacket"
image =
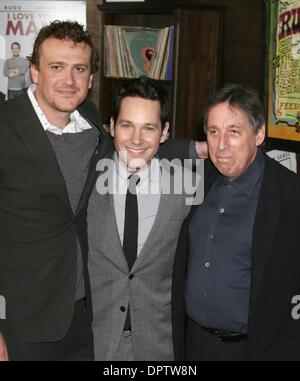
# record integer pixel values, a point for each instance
(148, 292)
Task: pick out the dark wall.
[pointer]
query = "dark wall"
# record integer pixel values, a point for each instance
(243, 41)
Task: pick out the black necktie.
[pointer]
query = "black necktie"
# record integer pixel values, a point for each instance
(131, 226)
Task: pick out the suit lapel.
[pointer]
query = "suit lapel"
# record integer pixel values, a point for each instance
(167, 204)
(112, 234)
(37, 143)
(165, 208)
(265, 229)
(89, 112)
(105, 202)
(104, 150)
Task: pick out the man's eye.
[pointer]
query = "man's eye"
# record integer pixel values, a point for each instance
(80, 69)
(149, 128)
(56, 67)
(235, 132)
(212, 132)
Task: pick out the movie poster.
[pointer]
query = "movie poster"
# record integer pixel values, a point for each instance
(20, 22)
(284, 70)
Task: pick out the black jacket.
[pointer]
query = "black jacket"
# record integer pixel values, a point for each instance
(38, 239)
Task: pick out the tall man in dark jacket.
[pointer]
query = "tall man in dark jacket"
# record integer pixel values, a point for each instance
(48, 136)
(234, 295)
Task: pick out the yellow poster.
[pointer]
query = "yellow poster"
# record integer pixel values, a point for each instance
(284, 70)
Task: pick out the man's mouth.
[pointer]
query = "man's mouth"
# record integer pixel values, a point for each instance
(135, 151)
(224, 159)
(67, 93)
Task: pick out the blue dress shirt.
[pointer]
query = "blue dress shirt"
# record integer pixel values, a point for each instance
(220, 241)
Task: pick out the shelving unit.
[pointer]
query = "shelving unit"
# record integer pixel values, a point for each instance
(196, 57)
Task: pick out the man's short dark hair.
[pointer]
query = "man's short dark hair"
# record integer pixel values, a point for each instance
(146, 88)
(15, 43)
(240, 97)
(64, 30)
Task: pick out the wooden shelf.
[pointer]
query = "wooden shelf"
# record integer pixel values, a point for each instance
(196, 57)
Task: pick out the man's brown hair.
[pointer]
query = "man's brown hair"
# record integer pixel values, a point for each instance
(64, 30)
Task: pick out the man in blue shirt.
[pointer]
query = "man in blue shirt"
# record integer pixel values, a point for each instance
(238, 281)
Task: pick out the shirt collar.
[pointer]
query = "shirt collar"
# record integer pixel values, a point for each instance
(77, 122)
(247, 182)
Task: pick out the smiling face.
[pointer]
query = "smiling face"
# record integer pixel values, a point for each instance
(138, 132)
(62, 78)
(232, 142)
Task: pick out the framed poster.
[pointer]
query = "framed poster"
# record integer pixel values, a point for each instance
(20, 21)
(284, 70)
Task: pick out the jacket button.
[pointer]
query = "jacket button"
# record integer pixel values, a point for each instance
(131, 276)
(122, 308)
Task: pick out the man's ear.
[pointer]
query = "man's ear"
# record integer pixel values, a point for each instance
(91, 81)
(112, 127)
(165, 133)
(34, 73)
(260, 136)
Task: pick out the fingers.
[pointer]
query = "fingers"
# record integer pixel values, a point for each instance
(3, 349)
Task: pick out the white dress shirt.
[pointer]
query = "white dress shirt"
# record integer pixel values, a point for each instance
(77, 122)
(148, 192)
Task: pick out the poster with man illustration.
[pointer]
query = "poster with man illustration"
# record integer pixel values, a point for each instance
(20, 22)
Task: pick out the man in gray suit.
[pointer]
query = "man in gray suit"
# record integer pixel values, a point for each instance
(132, 298)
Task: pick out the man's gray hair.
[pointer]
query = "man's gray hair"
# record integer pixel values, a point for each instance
(240, 97)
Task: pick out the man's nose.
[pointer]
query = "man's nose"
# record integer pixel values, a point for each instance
(68, 77)
(136, 136)
(222, 142)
